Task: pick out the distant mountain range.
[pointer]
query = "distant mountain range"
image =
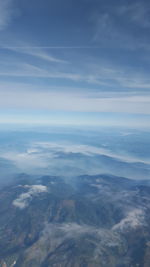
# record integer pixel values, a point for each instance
(88, 221)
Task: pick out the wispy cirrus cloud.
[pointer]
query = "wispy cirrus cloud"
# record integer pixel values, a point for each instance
(137, 13)
(117, 25)
(107, 77)
(7, 11)
(31, 70)
(37, 52)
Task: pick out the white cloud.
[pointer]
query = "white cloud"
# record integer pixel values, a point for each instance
(6, 12)
(33, 190)
(134, 219)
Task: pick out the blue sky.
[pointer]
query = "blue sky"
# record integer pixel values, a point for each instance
(72, 62)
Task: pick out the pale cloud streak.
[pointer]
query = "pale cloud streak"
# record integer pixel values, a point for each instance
(105, 76)
(7, 11)
(37, 52)
(30, 70)
(83, 149)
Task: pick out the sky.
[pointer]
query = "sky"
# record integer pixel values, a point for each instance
(75, 62)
